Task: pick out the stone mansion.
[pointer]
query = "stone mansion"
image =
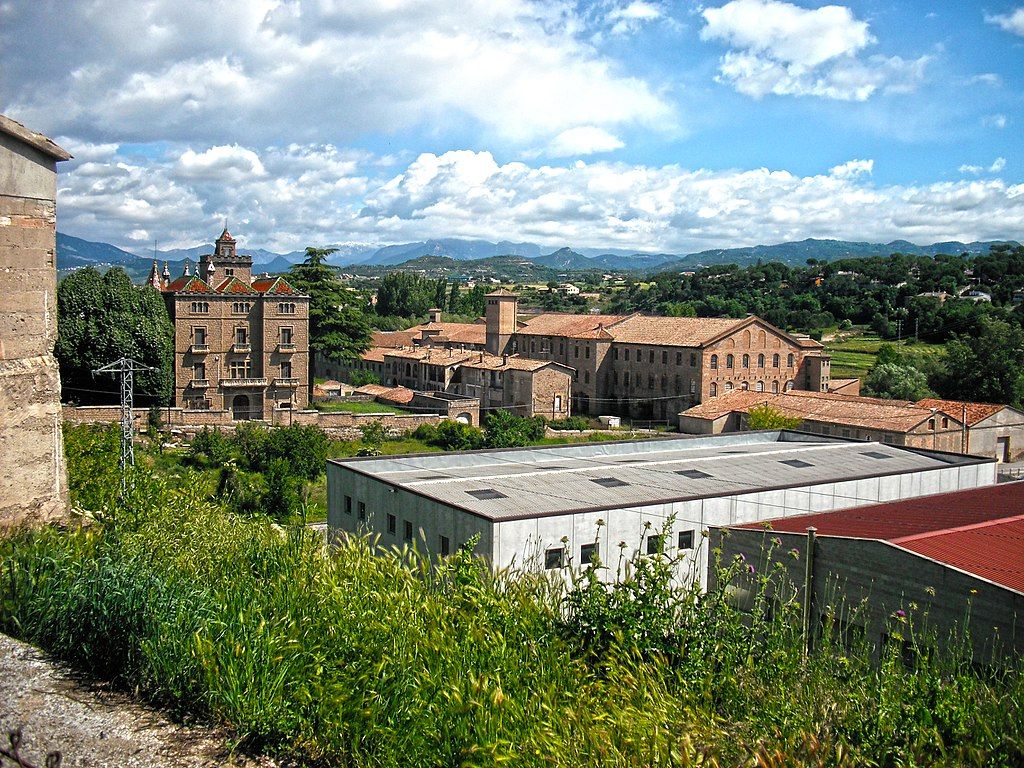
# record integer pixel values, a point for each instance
(241, 344)
(635, 365)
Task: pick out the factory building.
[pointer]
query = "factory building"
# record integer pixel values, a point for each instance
(561, 506)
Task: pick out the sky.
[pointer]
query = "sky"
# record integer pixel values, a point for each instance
(649, 125)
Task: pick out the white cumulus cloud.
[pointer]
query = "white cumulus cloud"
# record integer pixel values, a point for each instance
(780, 48)
(583, 140)
(1009, 22)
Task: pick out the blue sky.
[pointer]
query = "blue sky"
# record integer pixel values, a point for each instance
(660, 126)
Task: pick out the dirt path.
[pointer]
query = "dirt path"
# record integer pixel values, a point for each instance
(93, 726)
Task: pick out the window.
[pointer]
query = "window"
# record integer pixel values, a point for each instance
(533, 346)
(445, 546)
(945, 422)
(875, 455)
(728, 386)
(586, 377)
(241, 307)
(693, 359)
(240, 369)
(693, 386)
(713, 392)
(655, 544)
(286, 369)
(586, 351)
(588, 554)
(286, 335)
(729, 361)
(789, 360)
(775, 387)
(745, 386)
(650, 381)
(286, 308)
(664, 383)
(626, 352)
(650, 356)
(545, 345)
(408, 530)
(760, 361)
(229, 272)
(714, 361)
(554, 558)
(348, 505)
(775, 360)
(685, 540)
(486, 494)
(679, 384)
(615, 353)
(693, 474)
(576, 351)
(199, 337)
(789, 386)
(608, 482)
(760, 386)
(679, 358)
(241, 335)
(561, 347)
(746, 361)
(558, 404)
(362, 510)
(931, 423)
(664, 357)
(625, 379)
(200, 307)
(199, 371)
(796, 463)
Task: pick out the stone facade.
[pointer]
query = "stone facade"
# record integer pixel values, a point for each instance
(241, 344)
(33, 484)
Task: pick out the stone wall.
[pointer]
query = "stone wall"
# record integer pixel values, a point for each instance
(33, 483)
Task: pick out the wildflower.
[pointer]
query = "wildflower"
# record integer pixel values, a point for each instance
(794, 553)
(622, 545)
(647, 525)
(900, 614)
(776, 541)
(930, 591)
(743, 557)
(751, 569)
(974, 591)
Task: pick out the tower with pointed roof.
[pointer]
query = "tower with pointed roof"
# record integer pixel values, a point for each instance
(241, 344)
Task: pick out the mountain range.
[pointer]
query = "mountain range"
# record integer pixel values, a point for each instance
(74, 252)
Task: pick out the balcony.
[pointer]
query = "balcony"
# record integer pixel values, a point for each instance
(241, 348)
(199, 349)
(286, 382)
(199, 383)
(235, 383)
(286, 346)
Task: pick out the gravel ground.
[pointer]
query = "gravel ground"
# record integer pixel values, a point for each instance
(93, 726)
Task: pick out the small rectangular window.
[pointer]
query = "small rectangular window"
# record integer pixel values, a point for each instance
(392, 524)
(795, 463)
(686, 540)
(588, 553)
(445, 546)
(693, 359)
(650, 356)
(609, 482)
(655, 544)
(875, 455)
(587, 351)
(348, 505)
(554, 558)
(362, 510)
(408, 530)
(487, 493)
(693, 474)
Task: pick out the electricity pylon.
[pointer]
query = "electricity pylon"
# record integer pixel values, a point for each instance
(127, 368)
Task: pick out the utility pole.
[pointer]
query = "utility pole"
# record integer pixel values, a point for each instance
(126, 367)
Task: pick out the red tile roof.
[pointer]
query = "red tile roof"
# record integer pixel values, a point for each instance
(980, 530)
(975, 411)
(399, 395)
(189, 284)
(274, 286)
(234, 285)
(394, 339)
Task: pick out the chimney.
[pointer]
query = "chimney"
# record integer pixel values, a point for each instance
(434, 314)
(504, 359)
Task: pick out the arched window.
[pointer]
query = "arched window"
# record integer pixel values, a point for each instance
(728, 386)
(714, 389)
(789, 360)
(760, 386)
(789, 385)
(714, 361)
(775, 360)
(775, 387)
(729, 361)
(746, 361)
(745, 385)
(408, 369)
(760, 361)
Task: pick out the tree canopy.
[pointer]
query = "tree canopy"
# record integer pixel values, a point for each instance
(337, 328)
(766, 417)
(102, 317)
(988, 367)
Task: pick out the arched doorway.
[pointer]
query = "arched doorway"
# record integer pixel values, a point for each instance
(240, 408)
(464, 418)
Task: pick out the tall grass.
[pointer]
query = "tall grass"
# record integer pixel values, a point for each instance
(360, 657)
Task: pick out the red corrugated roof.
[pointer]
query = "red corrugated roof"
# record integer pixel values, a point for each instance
(980, 530)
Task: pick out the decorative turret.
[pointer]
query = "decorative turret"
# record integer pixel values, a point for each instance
(166, 274)
(226, 260)
(154, 277)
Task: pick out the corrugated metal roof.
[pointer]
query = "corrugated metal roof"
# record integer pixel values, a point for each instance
(558, 479)
(980, 531)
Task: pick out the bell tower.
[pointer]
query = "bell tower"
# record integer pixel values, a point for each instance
(226, 261)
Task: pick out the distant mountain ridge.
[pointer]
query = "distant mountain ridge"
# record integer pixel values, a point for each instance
(74, 252)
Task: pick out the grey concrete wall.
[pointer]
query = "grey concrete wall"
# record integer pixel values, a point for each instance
(866, 581)
(33, 484)
(983, 437)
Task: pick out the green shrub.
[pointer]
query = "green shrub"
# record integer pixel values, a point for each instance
(571, 422)
(209, 447)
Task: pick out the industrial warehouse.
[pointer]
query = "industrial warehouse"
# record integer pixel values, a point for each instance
(563, 506)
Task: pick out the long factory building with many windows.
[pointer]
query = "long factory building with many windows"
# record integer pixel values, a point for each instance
(561, 506)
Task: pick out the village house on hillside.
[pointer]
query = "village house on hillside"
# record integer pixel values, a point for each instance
(241, 343)
(645, 367)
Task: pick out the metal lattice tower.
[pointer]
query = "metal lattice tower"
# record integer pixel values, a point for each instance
(126, 367)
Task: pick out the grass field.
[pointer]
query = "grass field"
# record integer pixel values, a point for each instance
(854, 355)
